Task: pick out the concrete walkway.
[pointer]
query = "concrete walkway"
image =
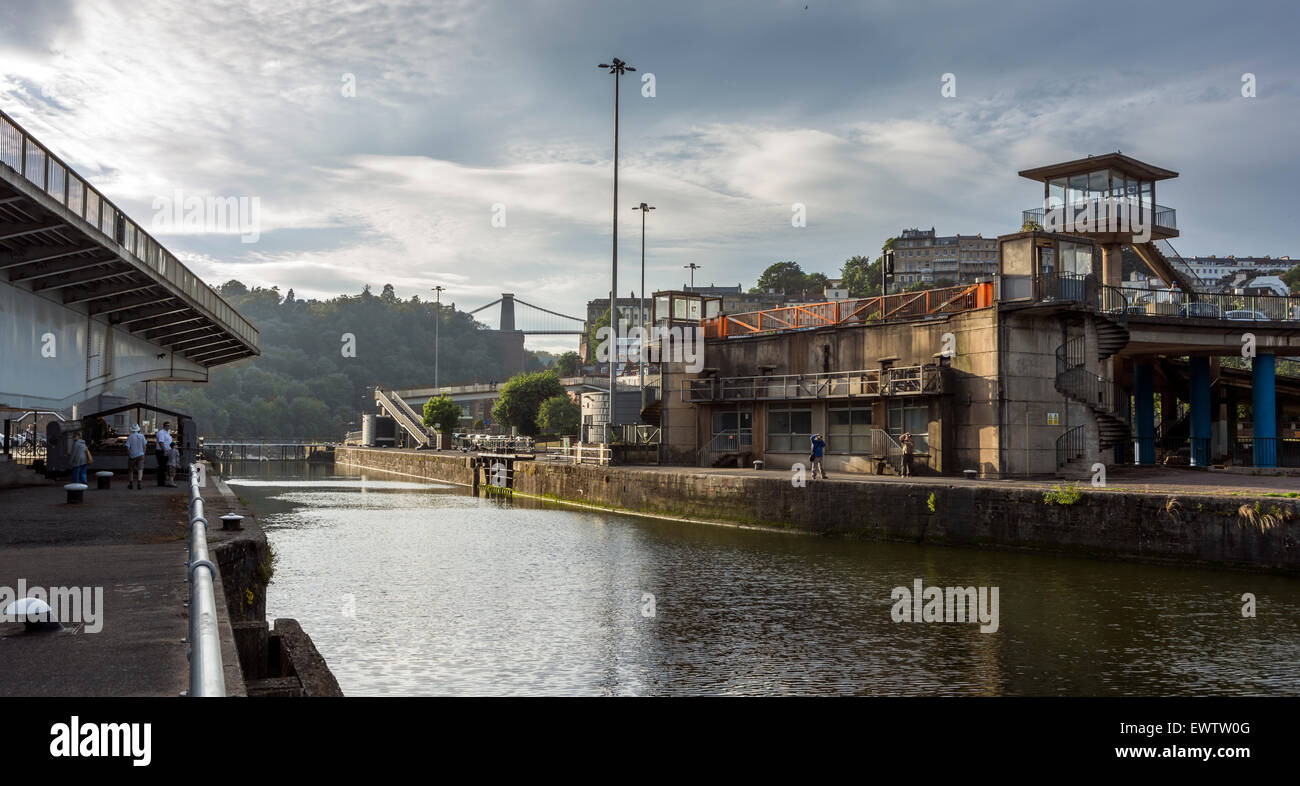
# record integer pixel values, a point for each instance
(130, 543)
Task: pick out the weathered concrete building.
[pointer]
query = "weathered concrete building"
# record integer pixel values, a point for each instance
(1049, 368)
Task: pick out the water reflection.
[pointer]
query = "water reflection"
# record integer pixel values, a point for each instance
(457, 595)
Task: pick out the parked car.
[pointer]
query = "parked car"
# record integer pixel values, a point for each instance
(1245, 315)
(1201, 311)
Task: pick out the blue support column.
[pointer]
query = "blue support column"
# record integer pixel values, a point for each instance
(1200, 415)
(1144, 414)
(1263, 402)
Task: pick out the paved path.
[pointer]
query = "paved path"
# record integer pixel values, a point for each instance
(132, 543)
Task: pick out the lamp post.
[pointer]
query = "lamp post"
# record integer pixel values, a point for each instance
(437, 321)
(617, 68)
(692, 267)
(644, 208)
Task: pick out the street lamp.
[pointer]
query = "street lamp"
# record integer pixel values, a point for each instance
(617, 68)
(644, 208)
(437, 321)
(693, 267)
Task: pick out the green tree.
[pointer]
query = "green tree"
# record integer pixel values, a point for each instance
(522, 396)
(592, 342)
(569, 364)
(781, 277)
(861, 276)
(559, 415)
(1292, 279)
(441, 413)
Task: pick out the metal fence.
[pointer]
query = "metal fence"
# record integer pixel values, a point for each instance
(207, 677)
(34, 162)
(900, 381)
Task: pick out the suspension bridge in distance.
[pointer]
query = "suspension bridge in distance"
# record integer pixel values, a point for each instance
(534, 321)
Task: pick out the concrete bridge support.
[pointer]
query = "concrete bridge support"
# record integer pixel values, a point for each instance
(1200, 415)
(1144, 415)
(1263, 400)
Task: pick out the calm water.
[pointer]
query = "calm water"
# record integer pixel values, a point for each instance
(413, 588)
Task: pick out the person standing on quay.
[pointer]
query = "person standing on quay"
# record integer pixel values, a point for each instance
(818, 455)
(162, 444)
(173, 463)
(80, 458)
(906, 442)
(135, 459)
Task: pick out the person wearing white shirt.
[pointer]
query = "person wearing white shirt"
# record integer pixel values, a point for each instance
(135, 458)
(162, 444)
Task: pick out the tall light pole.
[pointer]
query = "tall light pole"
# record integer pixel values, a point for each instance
(692, 267)
(617, 68)
(644, 208)
(437, 322)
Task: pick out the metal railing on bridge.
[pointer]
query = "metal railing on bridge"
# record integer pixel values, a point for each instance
(1211, 305)
(265, 451)
(904, 305)
(21, 152)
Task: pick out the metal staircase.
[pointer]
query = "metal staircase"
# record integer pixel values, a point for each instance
(401, 412)
(1074, 380)
(1170, 266)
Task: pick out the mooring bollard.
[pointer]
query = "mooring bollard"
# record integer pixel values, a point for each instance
(76, 492)
(758, 465)
(231, 521)
(103, 479)
(970, 474)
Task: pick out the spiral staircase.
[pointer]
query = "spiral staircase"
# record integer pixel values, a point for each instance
(1099, 394)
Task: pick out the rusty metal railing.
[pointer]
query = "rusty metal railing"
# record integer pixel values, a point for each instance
(904, 305)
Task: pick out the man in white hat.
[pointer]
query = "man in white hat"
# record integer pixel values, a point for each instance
(135, 458)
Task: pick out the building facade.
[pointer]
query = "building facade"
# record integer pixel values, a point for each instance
(921, 256)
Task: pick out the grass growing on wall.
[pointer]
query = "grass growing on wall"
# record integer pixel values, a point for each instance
(1064, 496)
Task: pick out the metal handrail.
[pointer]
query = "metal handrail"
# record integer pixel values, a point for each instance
(871, 382)
(403, 414)
(1164, 217)
(804, 316)
(1212, 305)
(1069, 446)
(34, 162)
(207, 676)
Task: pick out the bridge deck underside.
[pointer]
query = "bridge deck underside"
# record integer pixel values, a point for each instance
(53, 252)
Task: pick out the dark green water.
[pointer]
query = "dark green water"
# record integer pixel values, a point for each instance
(412, 588)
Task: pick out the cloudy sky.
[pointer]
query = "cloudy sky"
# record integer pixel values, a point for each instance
(380, 139)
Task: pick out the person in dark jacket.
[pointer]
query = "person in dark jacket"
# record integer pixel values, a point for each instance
(79, 458)
(818, 455)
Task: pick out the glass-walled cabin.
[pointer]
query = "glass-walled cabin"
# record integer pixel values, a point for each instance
(683, 309)
(1101, 181)
(1044, 266)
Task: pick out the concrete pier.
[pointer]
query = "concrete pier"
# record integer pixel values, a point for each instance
(1144, 514)
(131, 545)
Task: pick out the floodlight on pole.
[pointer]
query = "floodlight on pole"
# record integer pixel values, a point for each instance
(437, 321)
(692, 267)
(617, 68)
(644, 208)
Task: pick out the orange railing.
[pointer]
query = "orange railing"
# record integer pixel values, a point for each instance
(904, 305)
